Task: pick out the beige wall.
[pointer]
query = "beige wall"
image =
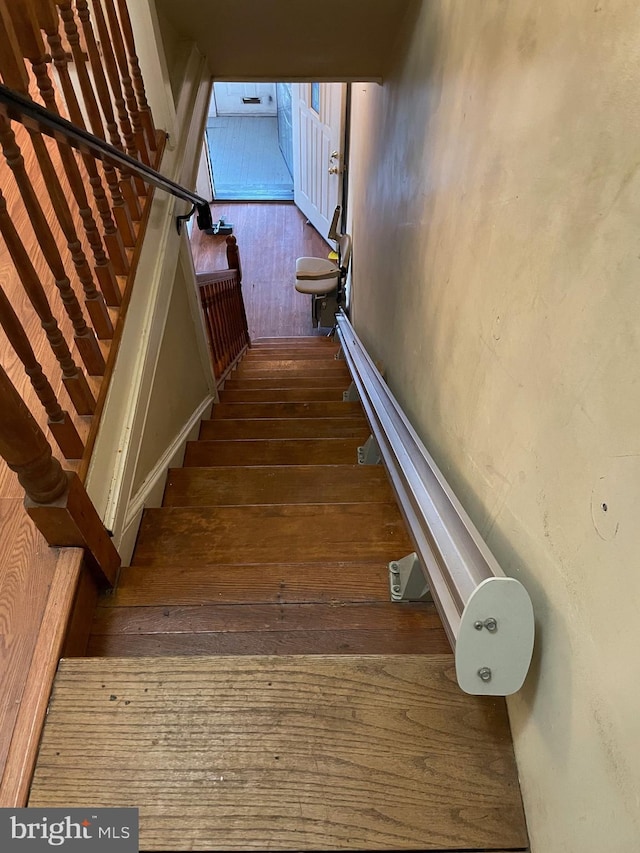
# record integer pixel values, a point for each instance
(180, 386)
(495, 210)
(290, 39)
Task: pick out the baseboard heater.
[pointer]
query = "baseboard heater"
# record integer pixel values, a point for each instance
(488, 616)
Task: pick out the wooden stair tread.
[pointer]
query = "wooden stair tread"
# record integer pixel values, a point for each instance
(273, 451)
(280, 395)
(278, 484)
(291, 365)
(228, 428)
(288, 752)
(286, 410)
(289, 354)
(302, 340)
(287, 381)
(253, 534)
(251, 583)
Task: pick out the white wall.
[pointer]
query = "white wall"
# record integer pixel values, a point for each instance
(163, 370)
(495, 210)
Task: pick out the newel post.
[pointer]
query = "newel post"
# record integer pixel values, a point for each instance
(233, 256)
(55, 499)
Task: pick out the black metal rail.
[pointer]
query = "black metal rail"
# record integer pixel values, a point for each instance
(18, 108)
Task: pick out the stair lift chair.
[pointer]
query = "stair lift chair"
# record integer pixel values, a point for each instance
(324, 279)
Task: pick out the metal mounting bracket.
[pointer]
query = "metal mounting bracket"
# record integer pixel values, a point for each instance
(339, 356)
(407, 581)
(351, 394)
(369, 452)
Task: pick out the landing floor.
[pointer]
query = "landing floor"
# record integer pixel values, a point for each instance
(270, 237)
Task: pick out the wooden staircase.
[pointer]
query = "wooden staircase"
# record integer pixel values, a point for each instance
(249, 685)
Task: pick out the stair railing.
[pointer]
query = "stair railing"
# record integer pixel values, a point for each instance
(224, 313)
(488, 617)
(72, 225)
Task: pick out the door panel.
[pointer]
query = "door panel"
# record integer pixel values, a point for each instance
(318, 145)
(239, 99)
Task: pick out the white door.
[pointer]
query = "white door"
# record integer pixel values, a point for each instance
(244, 99)
(318, 111)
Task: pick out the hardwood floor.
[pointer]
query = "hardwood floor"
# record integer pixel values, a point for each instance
(284, 753)
(270, 237)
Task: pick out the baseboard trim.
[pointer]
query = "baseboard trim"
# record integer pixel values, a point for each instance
(151, 491)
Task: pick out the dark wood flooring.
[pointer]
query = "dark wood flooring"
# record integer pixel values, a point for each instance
(270, 237)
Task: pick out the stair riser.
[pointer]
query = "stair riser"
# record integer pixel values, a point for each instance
(297, 365)
(295, 395)
(288, 451)
(286, 410)
(277, 485)
(285, 382)
(265, 428)
(410, 641)
(239, 583)
(280, 354)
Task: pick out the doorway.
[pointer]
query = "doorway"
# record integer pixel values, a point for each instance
(279, 142)
(250, 142)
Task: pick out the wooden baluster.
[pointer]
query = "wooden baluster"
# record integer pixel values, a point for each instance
(15, 76)
(208, 307)
(104, 270)
(111, 66)
(114, 238)
(85, 339)
(228, 288)
(91, 104)
(74, 380)
(102, 87)
(129, 94)
(136, 73)
(55, 499)
(59, 422)
(217, 327)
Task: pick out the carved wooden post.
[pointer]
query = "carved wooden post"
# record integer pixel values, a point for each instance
(55, 499)
(138, 82)
(30, 39)
(15, 76)
(233, 260)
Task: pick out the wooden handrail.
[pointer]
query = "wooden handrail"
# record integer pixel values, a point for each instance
(488, 617)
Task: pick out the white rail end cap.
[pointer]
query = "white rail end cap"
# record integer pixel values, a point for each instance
(495, 641)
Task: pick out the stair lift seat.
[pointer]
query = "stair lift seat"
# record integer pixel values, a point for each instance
(324, 279)
(316, 275)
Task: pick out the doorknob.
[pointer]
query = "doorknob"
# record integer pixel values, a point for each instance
(334, 170)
